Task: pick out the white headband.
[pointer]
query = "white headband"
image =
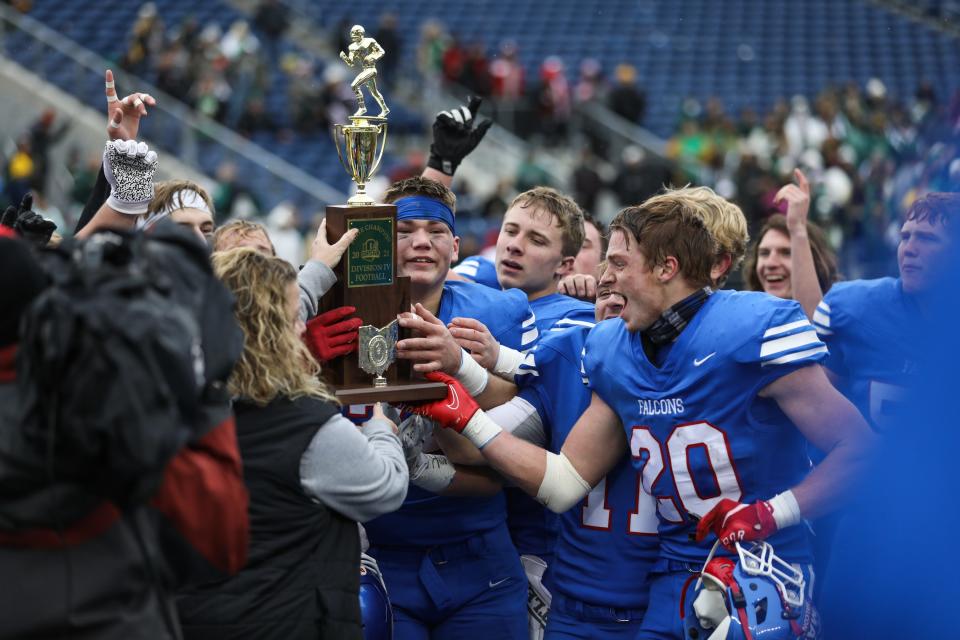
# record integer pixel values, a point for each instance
(183, 199)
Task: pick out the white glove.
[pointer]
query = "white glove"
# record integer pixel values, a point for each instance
(538, 597)
(414, 433)
(129, 166)
(431, 472)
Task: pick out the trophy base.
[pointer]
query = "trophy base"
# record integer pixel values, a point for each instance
(396, 392)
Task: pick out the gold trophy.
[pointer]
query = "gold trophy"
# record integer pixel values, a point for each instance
(359, 152)
(367, 275)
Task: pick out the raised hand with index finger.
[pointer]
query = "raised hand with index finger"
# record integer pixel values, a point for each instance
(123, 116)
(797, 197)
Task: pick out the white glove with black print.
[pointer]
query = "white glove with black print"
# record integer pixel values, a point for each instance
(129, 166)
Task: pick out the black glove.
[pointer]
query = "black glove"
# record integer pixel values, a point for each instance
(31, 226)
(454, 136)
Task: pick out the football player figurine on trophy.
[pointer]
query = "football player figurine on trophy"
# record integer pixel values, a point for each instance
(365, 138)
(366, 51)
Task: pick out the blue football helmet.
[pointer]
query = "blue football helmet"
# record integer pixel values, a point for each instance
(375, 611)
(757, 595)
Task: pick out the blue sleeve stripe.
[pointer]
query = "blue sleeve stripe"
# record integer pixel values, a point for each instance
(813, 355)
(570, 322)
(528, 367)
(466, 270)
(785, 328)
(528, 338)
(821, 321)
(779, 346)
(531, 320)
(822, 330)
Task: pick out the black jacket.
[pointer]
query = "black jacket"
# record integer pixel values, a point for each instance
(302, 579)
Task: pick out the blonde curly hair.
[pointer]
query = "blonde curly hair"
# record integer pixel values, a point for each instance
(275, 361)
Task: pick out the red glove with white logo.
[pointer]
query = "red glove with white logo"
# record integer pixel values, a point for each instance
(734, 522)
(329, 336)
(452, 412)
(458, 411)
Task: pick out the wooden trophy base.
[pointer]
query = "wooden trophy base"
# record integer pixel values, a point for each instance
(367, 279)
(409, 391)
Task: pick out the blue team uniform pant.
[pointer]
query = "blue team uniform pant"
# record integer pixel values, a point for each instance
(470, 589)
(662, 621)
(575, 620)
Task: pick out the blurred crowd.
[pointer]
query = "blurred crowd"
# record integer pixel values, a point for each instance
(222, 75)
(869, 153)
(542, 106)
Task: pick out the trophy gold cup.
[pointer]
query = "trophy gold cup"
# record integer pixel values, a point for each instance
(367, 275)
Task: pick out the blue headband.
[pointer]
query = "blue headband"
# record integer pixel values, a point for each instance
(424, 208)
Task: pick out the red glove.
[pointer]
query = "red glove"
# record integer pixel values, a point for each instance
(734, 522)
(329, 336)
(452, 412)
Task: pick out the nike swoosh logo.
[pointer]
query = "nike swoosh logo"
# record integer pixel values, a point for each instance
(454, 403)
(497, 583)
(699, 361)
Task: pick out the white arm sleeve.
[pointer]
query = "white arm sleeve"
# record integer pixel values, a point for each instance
(520, 418)
(562, 486)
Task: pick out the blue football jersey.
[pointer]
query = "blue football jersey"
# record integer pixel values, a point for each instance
(532, 527)
(608, 542)
(479, 270)
(426, 518)
(557, 312)
(696, 427)
(867, 324)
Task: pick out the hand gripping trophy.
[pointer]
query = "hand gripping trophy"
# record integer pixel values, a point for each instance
(366, 51)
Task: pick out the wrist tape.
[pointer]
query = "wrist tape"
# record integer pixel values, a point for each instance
(786, 510)
(508, 361)
(480, 430)
(471, 375)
